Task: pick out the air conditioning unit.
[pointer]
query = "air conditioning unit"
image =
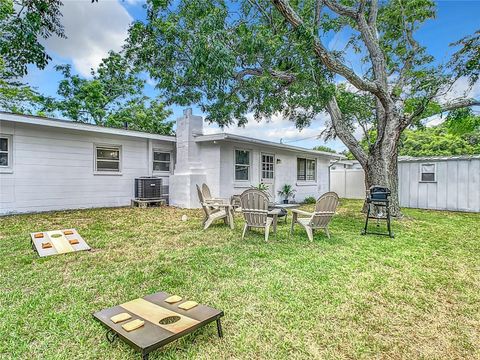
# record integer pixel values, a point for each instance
(148, 188)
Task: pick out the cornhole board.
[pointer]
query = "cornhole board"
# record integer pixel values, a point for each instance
(152, 309)
(60, 242)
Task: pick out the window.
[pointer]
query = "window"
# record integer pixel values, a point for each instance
(427, 172)
(242, 165)
(161, 161)
(267, 166)
(107, 159)
(306, 169)
(5, 151)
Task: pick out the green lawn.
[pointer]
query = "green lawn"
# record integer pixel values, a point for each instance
(416, 296)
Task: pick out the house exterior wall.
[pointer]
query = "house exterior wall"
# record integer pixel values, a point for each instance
(285, 172)
(456, 187)
(53, 169)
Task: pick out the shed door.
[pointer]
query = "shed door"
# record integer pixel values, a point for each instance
(267, 175)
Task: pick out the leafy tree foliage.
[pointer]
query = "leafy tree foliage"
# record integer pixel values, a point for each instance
(466, 61)
(112, 97)
(437, 141)
(324, 148)
(463, 121)
(23, 23)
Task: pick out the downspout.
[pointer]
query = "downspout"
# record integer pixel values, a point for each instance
(329, 168)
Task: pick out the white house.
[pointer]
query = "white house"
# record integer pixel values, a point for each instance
(49, 164)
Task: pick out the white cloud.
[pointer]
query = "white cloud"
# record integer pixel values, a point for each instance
(460, 89)
(135, 2)
(92, 30)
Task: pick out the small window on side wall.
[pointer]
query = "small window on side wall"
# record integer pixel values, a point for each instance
(107, 159)
(161, 161)
(306, 169)
(5, 151)
(242, 165)
(427, 173)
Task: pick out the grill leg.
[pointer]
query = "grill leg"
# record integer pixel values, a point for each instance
(388, 222)
(144, 356)
(366, 220)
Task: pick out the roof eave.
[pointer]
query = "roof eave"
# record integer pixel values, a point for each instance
(71, 125)
(239, 138)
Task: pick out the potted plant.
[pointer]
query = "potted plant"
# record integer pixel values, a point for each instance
(287, 191)
(262, 186)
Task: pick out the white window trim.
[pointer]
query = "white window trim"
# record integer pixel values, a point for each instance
(306, 182)
(154, 150)
(249, 166)
(434, 173)
(9, 168)
(120, 160)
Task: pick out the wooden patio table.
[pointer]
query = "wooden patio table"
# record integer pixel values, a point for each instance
(153, 335)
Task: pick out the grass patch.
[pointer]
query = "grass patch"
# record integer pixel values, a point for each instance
(353, 296)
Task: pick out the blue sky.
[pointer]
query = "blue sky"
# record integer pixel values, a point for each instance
(94, 29)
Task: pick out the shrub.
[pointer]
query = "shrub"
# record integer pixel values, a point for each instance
(309, 200)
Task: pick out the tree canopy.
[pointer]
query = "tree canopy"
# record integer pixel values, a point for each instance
(23, 23)
(113, 97)
(271, 57)
(438, 141)
(324, 148)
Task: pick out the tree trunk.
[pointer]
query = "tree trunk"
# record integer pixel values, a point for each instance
(382, 169)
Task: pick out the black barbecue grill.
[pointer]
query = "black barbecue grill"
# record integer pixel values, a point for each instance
(378, 208)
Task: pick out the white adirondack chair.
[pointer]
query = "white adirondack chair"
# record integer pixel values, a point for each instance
(324, 211)
(254, 204)
(207, 195)
(214, 211)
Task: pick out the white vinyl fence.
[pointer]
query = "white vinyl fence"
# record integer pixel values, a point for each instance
(348, 183)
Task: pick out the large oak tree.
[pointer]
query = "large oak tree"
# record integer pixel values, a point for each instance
(271, 56)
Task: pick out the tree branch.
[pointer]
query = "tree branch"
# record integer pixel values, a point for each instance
(341, 9)
(372, 16)
(459, 104)
(282, 75)
(261, 9)
(344, 132)
(318, 12)
(324, 55)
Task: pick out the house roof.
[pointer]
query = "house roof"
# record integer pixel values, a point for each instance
(249, 140)
(437, 158)
(422, 158)
(68, 124)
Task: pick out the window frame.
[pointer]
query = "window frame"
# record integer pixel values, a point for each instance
(434, 173)
(96, 171)
(249, 166)
(158, 150)
(9, 167)
(307, 159)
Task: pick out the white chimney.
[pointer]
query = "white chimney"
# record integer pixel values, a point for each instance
(189, 169)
